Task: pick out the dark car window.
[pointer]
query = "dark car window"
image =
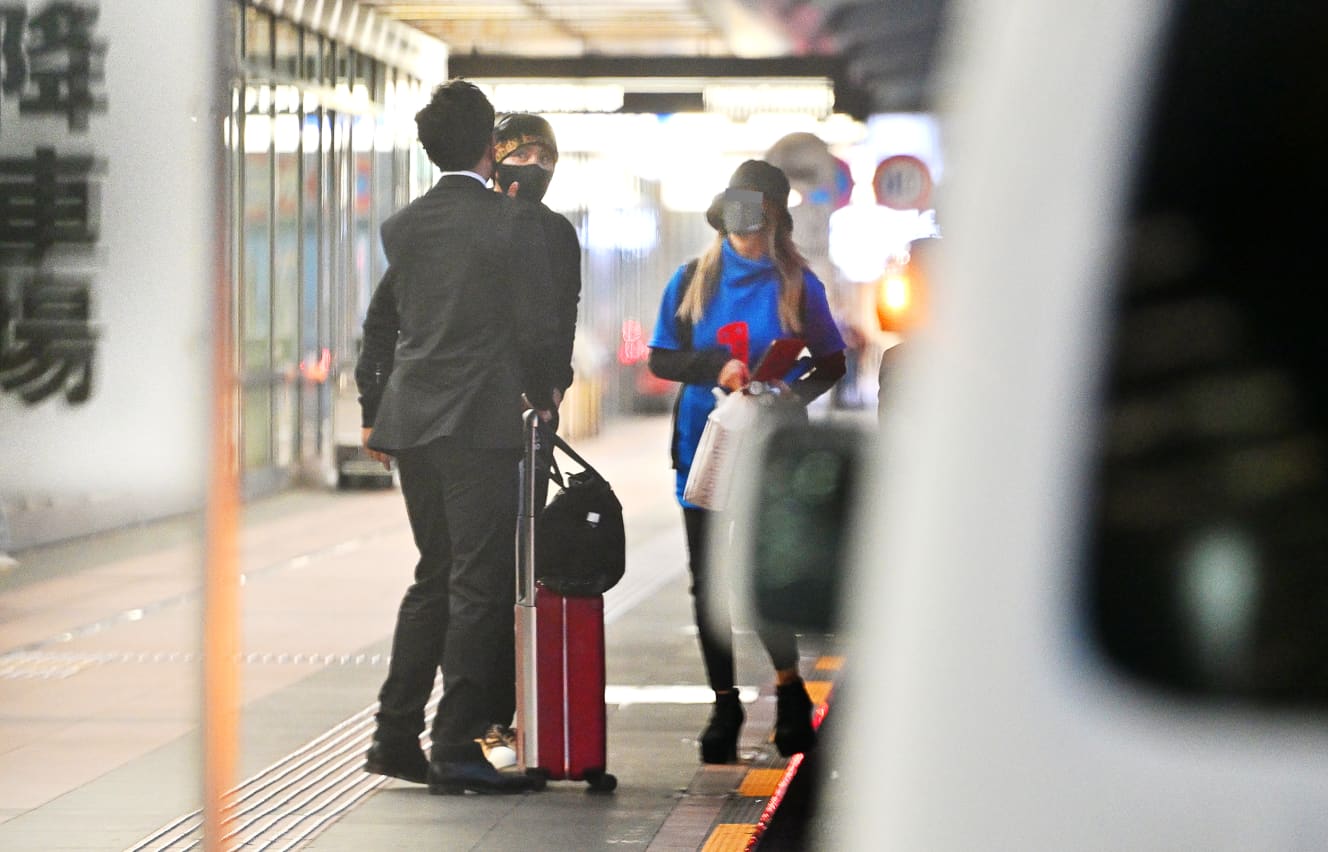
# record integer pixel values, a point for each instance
(1209, 540)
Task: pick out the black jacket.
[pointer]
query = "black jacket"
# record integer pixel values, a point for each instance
(457, 331)
(565, 265)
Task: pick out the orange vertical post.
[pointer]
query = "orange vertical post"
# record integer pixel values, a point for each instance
(221, 579)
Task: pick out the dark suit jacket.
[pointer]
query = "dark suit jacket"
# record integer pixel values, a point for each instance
(474, 324)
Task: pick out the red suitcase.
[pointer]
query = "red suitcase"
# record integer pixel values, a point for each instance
(560, 720)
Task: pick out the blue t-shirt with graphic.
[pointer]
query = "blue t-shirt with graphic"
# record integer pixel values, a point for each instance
(743, 316)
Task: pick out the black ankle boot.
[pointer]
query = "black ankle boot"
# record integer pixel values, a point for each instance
(719, 740)
(793, 719)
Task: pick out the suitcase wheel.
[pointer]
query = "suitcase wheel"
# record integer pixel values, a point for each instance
(601, 781)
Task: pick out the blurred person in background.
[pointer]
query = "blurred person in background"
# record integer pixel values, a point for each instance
(921, 256)
(718, 314)
(847, 394)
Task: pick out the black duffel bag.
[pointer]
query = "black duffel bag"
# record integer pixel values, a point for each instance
(580, 543)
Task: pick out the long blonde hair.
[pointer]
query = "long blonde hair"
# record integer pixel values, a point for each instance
(788, 261)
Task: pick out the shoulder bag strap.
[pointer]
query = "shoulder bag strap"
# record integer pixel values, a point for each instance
(572, 454)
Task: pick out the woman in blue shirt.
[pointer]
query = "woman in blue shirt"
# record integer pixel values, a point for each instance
(719, 313)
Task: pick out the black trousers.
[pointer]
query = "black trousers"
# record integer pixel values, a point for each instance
(461, 501)
(714, 625)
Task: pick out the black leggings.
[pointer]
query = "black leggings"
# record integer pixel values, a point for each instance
(713, 623)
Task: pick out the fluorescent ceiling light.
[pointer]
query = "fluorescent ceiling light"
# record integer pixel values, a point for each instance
(734, 97)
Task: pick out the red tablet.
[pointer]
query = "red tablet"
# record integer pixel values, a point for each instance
(778, 359)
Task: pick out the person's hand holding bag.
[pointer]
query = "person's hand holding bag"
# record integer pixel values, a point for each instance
(734, 375)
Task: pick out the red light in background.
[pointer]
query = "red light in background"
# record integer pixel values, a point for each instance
(901, 297)
(316, 371)
(633, 349)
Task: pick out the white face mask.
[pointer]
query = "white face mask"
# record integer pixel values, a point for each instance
(743, 211)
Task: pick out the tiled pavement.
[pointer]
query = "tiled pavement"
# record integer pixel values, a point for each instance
(99, 680)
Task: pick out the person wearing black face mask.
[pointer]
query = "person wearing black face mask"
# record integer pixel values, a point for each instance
(526, 153)
(454, 336)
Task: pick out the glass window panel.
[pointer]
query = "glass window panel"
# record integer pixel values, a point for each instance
(284, 413)
(313, 311)
(360, 70)
(286, 283)
(349, 309)
(338, 200)
(364, 237)
(344, 67)
(255, 425)
(311, 192)
(287, 49)
(363, 74)
(257, 277)
(386, 180)
(379, 87)
(257, 38)
(312, 70)
(286, 279)
(328, 64)
(234, 21)
(256, 281)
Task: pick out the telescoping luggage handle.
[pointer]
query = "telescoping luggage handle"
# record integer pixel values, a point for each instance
(525, 555)
(527, 696)
(525, 539)
(527, 668)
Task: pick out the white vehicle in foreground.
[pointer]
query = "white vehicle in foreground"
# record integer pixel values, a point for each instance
(1084, 570)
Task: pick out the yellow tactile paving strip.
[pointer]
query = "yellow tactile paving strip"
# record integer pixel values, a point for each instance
(760, 783)
(729, 837)
(819, 690)
(765, 783)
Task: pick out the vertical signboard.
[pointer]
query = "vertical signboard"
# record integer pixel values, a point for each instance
(114, 299)
(107, 197)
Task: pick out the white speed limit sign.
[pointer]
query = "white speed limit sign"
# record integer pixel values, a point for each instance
(902, 182)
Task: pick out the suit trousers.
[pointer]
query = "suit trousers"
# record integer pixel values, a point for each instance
(462, 502)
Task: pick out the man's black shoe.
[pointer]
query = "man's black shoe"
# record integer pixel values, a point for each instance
(451, 778)
(405, 761)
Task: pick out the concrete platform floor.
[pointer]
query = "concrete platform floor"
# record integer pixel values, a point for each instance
(100, 686)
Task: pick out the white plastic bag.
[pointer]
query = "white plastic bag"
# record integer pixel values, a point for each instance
(711, 476)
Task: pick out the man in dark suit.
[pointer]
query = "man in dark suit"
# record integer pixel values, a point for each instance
(461, 327)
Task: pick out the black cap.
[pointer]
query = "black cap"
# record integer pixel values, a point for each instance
(764, 178)
(522, 128)
(758, 175)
